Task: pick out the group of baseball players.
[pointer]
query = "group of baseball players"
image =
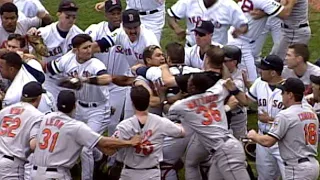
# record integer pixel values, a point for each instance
(134, 110)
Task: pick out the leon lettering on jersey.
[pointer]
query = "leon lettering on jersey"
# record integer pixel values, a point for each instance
(54, 122)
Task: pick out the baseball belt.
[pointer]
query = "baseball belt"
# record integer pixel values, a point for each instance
(300, 26)
(301, 160)
(48, 169)
(148, 12)
(128, 167)
(88, 104)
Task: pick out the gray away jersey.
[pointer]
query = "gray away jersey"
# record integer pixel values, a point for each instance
(299, 14)
(205, 115)
(149, 152)
(296, 128)
(19, 124)
(61, 140)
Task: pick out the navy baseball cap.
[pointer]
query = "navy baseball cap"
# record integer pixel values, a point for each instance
(67, 5)
(32, 89)
(112, 4)
(232, 52)
(131, 18)
(317, 62)
(271, 62)
(315, 79)
(66, 101)
(293, 85)
(205, 27)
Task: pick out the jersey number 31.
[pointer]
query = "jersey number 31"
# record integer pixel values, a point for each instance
(47, 137)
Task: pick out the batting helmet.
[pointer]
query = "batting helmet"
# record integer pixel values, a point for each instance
(232, 52)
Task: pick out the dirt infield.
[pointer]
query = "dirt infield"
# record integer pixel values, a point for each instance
(315, 4)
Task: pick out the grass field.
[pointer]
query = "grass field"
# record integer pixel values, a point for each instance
(88, 16)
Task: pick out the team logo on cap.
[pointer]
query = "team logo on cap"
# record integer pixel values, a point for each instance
(72, 5)
(130, 17)
(114, 2)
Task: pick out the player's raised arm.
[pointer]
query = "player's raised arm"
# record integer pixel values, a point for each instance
(111, 142)
(287, 9)
(102, 45)
(241, 96)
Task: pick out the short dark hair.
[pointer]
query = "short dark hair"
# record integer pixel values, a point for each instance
(301, 50)
(202, 82)
(8, 7)
(19, 38)
(216, 56)
(140, 97)
(148, 52)
(12, 59)
(176, 52)
(80, 39)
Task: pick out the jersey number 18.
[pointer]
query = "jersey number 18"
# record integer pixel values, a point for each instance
(310, 132)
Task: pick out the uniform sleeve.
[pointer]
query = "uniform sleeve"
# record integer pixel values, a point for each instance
(98, 66)
(237, 16)
(271, 7)
(56, 66)
(35, 127)
(279, 127)
(252, 93)
(174, 113)
(122, 132)
(153, 74)
(178, 10)
(92, 32)
(30, 9)
(151, 39)
(31, 22)
(85, 136)
(170, 128)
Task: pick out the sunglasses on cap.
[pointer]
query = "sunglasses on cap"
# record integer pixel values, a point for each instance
(200, 34)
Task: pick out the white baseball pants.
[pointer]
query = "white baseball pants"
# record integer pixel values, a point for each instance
(11, 168)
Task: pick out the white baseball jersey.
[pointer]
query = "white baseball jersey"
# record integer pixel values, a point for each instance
(299, 14)
(145, 5)
(19, 124)
(134, 50)
(68, 66)
(149, 152)
(256, 26)
(269, 100)
(223, 14)
(296, 128)
(22, 27)
(61, 140)
(29, 7)
(192, 56)
(114, 58)
(205, 115)
(311, 70)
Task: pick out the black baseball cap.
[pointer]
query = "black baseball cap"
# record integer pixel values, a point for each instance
(205, 27)
(112, 4)
(131, 18)
(232, 52)
(66, 101)
(293, 85)
(317, 62)
(67, 5)
(32, 89)
(271, 62)
(315, 79)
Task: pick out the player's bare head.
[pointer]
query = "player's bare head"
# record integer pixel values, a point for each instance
(81, 44)
(67, 14)
(153, 56)
(66, 101)
(113, 9)
(32, 93)
(214, 58)
(15, 42)
(203, 33)
(270, 68)
(292, 91)
(10, 64)
(9, 16)
(175, 53)
(297, 54)
(232, 57)
(131, 23)
(140, 98)
(199, 82)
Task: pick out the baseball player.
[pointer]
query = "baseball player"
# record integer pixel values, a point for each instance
(152, 13)
(57, 37)
(204, 113)
(298, 66)
(142, 161)
(114, 59)
(223, 14)
(9, 11)
(316, 95)
(296, 130)
(295, 28)
(263, 91)
(62, 138)
(194, 55)
(19, 126)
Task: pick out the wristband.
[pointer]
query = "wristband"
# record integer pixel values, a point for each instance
(235, 92)
(227, 108)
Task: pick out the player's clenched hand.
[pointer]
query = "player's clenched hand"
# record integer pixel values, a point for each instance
(33, 32)
(232, 102)
(99, 6)
(257, 14)
(135, 140)
(264, 117)
(251, 134)
(230, 85)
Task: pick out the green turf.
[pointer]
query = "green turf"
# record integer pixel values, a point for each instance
(88, 16)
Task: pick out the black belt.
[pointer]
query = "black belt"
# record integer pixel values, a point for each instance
(128, 167)
(300, 26)
(87, 105)
(148, 12)
(225, 139)
(8, 157)
(299, 161)
(48, 169)
(251, 42)
(236, 113)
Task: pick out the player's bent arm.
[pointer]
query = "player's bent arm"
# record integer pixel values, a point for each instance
(173, 24)
(264, 140)
(102, 45)
(111, 142)
(286, 11)
(108, 151)
(123, 80)
(33, 144)
(167, 78)
(183, 132)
